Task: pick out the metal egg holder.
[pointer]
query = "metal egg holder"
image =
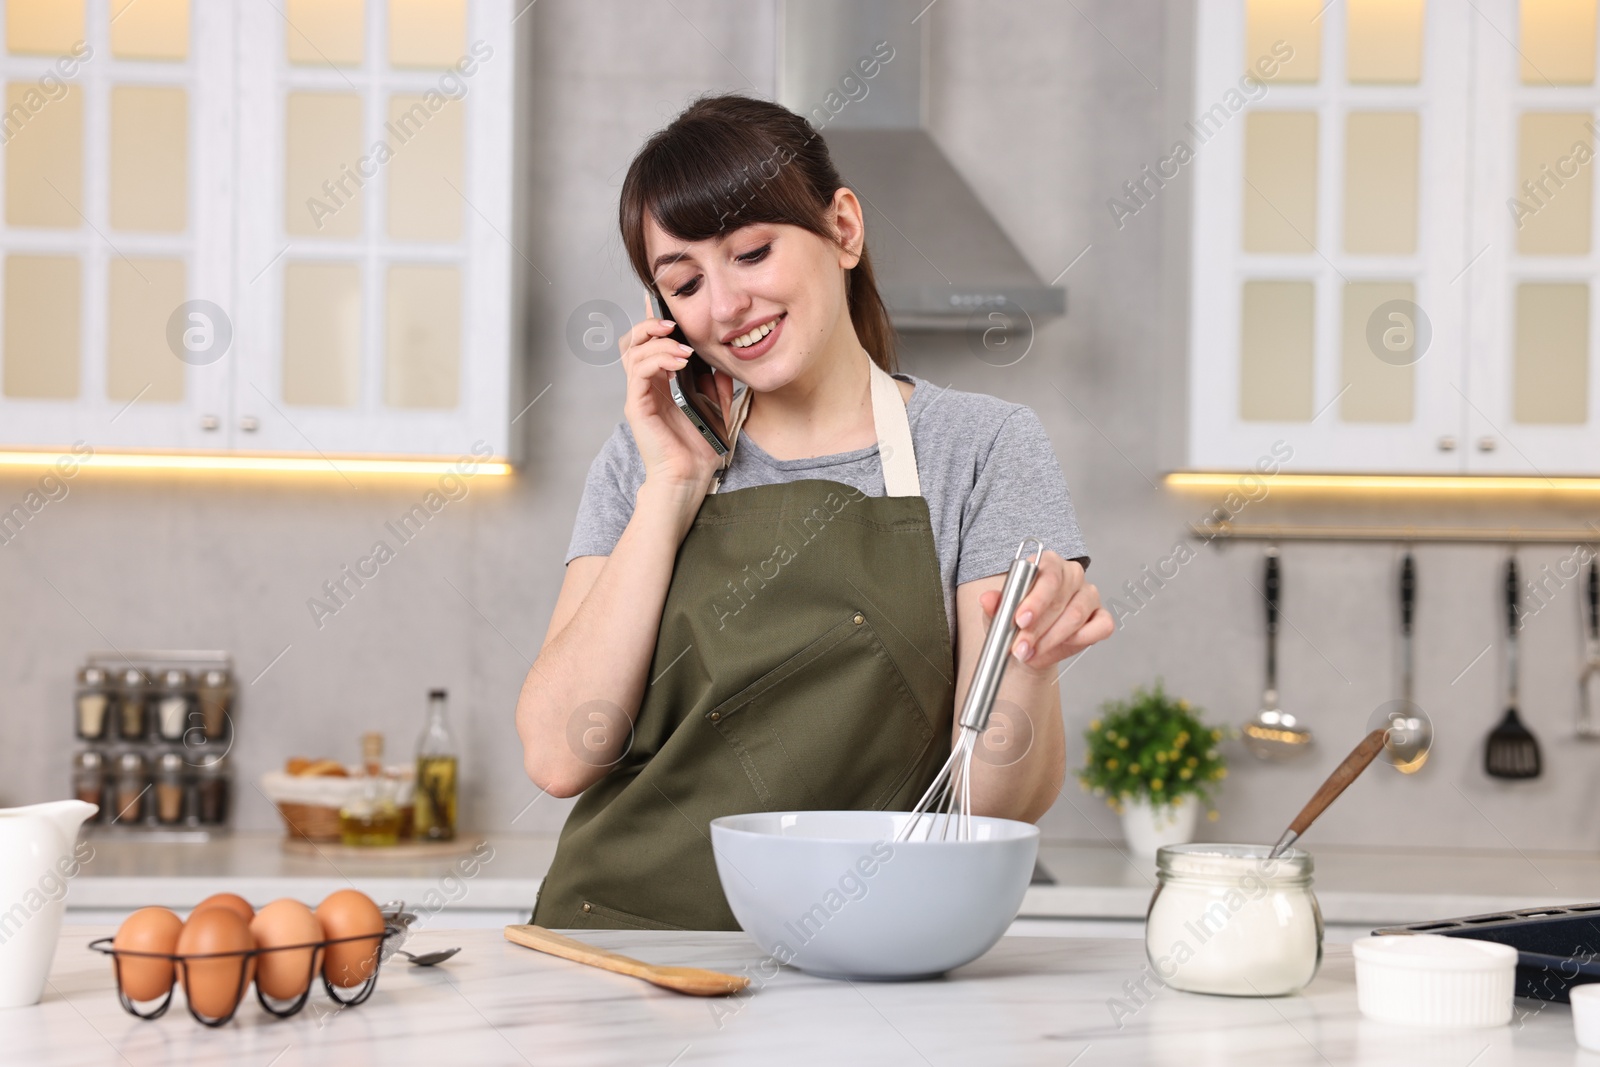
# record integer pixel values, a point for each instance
(393, 927)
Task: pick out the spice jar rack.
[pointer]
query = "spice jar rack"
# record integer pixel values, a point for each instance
(154, 731)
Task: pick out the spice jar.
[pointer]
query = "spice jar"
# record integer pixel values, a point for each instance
(169, 788)
(215, 694)
(172, 704)
(1227, 919)
(89, 779)
(132, 785)
(135, 696)
(212, 787)
(93, 703)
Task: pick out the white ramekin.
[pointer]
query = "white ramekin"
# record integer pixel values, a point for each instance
(1586, 1015)
(1429, 980)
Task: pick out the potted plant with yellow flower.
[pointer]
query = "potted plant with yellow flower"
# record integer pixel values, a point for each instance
(1154, 761)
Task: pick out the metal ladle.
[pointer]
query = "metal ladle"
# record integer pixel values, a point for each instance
(1274, 734)
(1409, 734)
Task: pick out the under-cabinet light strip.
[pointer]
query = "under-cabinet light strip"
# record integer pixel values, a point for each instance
(278, 464)
(1370, 482)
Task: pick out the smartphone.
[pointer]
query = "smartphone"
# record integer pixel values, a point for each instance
(703, 411)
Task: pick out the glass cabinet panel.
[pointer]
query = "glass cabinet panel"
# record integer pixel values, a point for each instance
(150, 29)
(427, 33)
(1297, 23)
(44, 170)
(1551, 378)
(1379, 343)
(43, 27)
(1280, 181)
(139, 363)
(41, 354)
(1383, 41)
(322, 334)
(323, 33)
(1557, 42)
(1380, 182)
(426, 173)
(1554, 189)
(1276, 344)
(322, 138)
(422, 349)
(149, 186)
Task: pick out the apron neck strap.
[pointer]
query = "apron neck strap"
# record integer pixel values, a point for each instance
(894, 435)
(889, 420)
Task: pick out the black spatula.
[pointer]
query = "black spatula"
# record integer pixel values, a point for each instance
(1511, 750)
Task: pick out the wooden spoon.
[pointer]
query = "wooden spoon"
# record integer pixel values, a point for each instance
(692, 980)
(1347, 771)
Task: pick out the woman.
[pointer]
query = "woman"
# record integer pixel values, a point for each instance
(790, 628)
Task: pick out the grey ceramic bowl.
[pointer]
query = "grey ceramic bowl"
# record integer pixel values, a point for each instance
(833, 893)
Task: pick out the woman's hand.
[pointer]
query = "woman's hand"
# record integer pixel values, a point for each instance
(673, 451)
(1060, 617)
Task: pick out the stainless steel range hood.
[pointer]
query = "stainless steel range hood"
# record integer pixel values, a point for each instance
(941, 259)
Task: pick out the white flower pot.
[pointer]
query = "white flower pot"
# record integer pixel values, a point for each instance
(1148, 827)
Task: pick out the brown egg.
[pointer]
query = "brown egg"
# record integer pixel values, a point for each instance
(349, 913)
(214, 985)
(234, 903)
(147, 930)
(286, 973)
(231, 901)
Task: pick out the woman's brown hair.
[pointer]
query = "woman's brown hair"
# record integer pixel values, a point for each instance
(728, 161)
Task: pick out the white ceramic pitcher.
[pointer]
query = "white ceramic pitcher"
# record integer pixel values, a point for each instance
(37, 857)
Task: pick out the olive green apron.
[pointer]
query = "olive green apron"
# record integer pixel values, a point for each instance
(803, 662)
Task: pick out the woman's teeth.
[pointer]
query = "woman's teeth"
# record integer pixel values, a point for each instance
(746, 340)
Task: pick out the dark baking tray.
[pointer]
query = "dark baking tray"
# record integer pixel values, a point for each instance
(1558, 946)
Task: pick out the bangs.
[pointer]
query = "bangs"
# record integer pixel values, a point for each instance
(701, 179)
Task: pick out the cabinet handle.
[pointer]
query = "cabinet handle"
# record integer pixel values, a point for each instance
(249, 424)
(209, 422)
(1486, 444)
(1447, 443)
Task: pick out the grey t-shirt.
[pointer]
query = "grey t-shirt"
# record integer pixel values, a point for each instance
(986, 465)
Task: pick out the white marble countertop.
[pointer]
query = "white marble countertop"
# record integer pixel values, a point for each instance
(1093, 881)
(1030, 1000)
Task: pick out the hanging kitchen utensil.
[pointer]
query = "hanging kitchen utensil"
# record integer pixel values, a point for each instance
(950, 795)
(1511, 750)
(1348, 770)
(1410, 733)
(1589, 679)
(1274, 734)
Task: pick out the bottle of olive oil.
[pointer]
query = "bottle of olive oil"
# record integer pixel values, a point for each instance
(371, 817)
(435, 818)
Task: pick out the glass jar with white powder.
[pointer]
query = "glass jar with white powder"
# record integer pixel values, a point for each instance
(1227, 919)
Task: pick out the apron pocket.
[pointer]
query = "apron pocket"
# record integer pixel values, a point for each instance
(835, 726)
(590, 915)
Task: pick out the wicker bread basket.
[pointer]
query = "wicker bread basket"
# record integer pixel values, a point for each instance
(309, 804)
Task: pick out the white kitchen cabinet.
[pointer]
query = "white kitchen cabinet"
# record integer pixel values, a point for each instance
(342, 200)
(1351, 198)
(1535, 396)
(117, 208)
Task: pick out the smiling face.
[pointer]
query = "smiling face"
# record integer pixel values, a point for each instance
(764, 303)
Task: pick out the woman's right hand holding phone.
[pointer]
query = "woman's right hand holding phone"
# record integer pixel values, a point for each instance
(673, 451)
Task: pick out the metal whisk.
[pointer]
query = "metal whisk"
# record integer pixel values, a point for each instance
(950, 795)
